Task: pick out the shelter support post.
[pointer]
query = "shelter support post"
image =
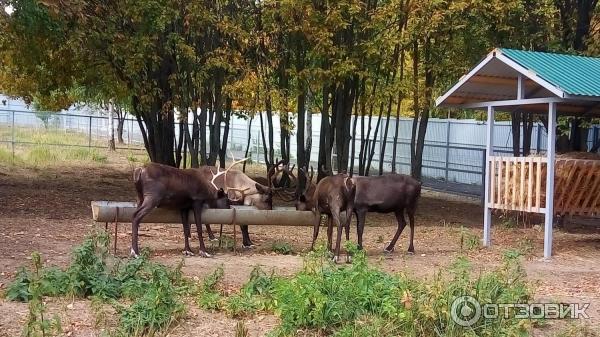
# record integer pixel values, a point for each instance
(487, 215)
(550, 155)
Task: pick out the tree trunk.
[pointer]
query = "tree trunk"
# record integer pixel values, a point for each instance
(300, 149)
(516, 131)
(120, 123)
(324, 161)
(374, 144)
(111, 129)
(225, 141)
(202, 127)
(385, 135)
(215, 130)
(248, 142)
(527, 133)
(424, 118)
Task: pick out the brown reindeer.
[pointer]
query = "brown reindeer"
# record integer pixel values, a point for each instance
(181, 189)
(382, 194)
(386, 194)
(331, 196)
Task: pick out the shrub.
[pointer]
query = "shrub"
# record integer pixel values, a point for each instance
(154, 289)
(282, 247)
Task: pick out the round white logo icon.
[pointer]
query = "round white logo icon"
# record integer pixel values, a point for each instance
(465, 311)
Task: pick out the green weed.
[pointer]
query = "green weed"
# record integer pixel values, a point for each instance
(468, 240)
(360, 300)
(153, 289)
(209, 296)
(282, 247)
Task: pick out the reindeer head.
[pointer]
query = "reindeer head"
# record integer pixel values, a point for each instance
(305, 201)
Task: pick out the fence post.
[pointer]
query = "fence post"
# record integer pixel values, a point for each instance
(13, 136)
(447, 148)
(483, 170)
(90, 133)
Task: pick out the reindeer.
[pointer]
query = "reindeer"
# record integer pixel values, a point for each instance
(331, 196)
(382, 194)
(386, 194)
(182, 189)
(241, 190)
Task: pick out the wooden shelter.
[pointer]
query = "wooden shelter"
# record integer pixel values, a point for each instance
(542, 83)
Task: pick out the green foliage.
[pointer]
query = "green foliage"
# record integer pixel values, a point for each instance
(154, 290)
(282, 247)
(468, 240)
(36, 324)
(360, 300)
(209, 297)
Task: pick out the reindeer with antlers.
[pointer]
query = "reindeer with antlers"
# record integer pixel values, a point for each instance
(182, 189)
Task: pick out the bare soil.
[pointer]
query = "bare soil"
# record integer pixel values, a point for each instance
(48, 210)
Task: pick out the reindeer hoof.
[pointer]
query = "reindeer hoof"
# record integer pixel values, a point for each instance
(348, 259)
(133, 254)
(411, 252)
(388, 250)
(336, 259)
(187, 253)
(204, 254)
(251, 246)
(213, 239)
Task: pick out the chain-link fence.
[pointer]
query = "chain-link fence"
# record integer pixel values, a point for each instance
(453, 158)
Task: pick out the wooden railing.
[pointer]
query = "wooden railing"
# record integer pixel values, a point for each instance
(519, 184)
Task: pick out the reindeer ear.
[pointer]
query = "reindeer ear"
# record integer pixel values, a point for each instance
(263, 189)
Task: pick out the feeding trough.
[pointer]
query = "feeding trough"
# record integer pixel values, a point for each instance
(113, 211)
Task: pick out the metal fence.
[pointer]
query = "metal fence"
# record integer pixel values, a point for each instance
(453, 158)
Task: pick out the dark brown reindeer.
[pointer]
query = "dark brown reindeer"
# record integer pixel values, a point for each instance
(382, 194)
(172, 188)
(388, 193)
(331, 196)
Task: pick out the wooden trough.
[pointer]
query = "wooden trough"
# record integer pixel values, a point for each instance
(114, 211)
(519, 184)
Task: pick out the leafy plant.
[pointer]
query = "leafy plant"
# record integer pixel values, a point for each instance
(282, 247)
(154, 289)
(37, 324)
(468, 240)
(209, 296)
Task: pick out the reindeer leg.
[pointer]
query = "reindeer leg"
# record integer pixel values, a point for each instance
(187, 251)
(360, 226)
(211, 236)
(349, 208)
(330, 233)
(316, 226)
(198, 214)
(411, 218)
(246, 242)
(401, 225)
(147, 205)
(336, 219)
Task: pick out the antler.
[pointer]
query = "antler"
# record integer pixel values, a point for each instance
(242, 191)
(219, 173)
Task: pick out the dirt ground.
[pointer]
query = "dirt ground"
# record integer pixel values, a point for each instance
(48, 210)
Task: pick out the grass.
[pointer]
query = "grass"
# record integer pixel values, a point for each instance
(282, 247)
(361, 300)
(153, 292)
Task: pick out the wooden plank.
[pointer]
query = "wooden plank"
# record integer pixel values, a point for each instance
(515, 187)
(522, 185)
(492, 182)
(500, 170)
(538, 185)
(530, 181)
(507, 184)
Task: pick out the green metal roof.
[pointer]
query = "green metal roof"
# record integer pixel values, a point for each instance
(575, 75)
